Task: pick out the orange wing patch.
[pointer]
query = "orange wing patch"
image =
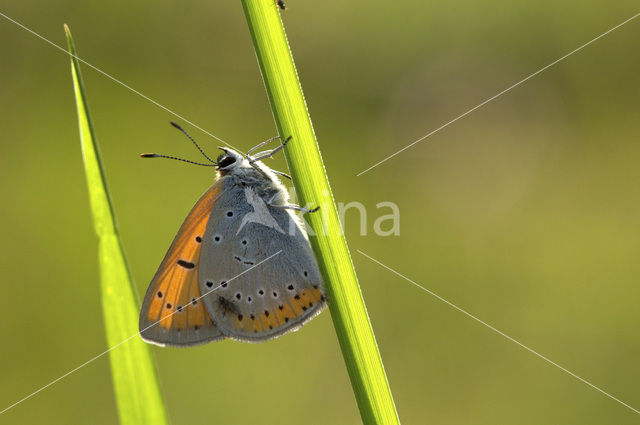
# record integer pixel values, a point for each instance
(173, 297)
(178, 293)
(289, 310)
(308, 298)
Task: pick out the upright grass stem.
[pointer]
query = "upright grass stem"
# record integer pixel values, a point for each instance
(348, 310)
(132, 366)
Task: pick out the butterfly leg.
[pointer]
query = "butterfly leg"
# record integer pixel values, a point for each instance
(280, 173)
(260, 145)
(295, 208)
(290, 207)
(268, 154)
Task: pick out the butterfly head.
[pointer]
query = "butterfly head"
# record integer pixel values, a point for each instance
(250, 171)
(229, 160)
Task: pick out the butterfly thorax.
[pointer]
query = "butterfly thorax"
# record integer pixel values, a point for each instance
(258, 177)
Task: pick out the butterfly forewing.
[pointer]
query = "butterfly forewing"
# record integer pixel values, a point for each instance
(257, 301)
(173, 312)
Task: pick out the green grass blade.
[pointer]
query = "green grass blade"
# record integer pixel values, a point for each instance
(132, 366)
(348, 310)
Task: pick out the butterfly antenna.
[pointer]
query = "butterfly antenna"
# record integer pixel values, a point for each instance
(157, 155)
(191, 138)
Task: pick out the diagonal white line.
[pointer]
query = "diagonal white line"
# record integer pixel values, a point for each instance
(117, 81)
(499, 94)
(546, 359)
(122, 342)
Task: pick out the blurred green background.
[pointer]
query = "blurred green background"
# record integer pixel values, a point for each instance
(524, 213)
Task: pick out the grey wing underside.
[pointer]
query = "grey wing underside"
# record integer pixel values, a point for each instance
(180, 338)
(257, 301)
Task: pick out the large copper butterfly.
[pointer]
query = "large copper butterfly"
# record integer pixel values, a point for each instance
(240, 266)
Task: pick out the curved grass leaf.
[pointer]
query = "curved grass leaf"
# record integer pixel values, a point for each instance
(348, 310)
(133, 370)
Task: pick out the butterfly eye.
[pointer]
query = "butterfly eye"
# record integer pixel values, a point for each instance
(225, 160)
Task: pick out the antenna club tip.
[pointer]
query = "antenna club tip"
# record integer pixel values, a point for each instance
(175, 125)
(148, 155)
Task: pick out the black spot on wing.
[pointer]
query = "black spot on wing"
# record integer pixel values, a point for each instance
(186, 264)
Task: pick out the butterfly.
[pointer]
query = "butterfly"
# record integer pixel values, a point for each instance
(241, 265)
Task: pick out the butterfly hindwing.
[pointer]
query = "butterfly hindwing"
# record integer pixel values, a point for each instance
(270, 298)
(173, 312)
